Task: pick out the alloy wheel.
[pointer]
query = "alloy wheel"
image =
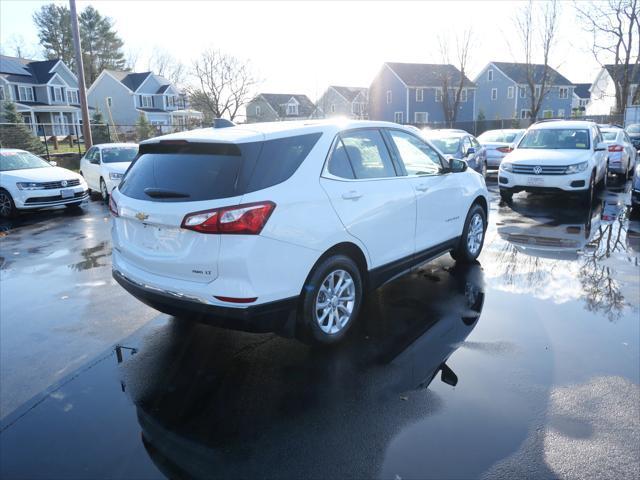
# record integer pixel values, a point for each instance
(475, 234)
(103, 190)
(335, 302)
(5, 205)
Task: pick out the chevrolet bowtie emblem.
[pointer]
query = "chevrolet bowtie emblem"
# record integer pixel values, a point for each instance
(142, 216)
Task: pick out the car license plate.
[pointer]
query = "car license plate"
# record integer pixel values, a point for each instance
(67, 193)
(535, 181)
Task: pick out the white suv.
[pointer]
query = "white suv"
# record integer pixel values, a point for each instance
(282, 226)
(556, 156)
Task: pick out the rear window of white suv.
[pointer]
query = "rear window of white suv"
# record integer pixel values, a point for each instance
(556, 139)
(180, 171)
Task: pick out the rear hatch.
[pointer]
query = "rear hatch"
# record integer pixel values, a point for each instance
(166, 183)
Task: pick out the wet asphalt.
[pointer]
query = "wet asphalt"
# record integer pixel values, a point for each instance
(526, 365)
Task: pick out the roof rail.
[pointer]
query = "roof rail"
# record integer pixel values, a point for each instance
(545, 120)
(222, 123)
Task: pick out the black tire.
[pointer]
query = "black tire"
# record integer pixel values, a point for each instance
(7, 206)
(311, 332)
(586, 197)
(104, 193)
(463, 252)
(506, 195)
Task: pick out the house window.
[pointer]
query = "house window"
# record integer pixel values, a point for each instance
(561, 113)
(547, 114)
(25, 94)
(523, 92)
(438, 94)
(388, 96)
(564, 92)
(490, 75)
(538, 91)
(109, 101)
(525, 113)
(419, 94)
(509, 92)
(292, 109)
(463, 95)
(72, 96)
(420, 117)
(2, 92)
(494, 94)
(146, 101)
(57, 94)
(258, 111)
(398, 117)
(333, 108)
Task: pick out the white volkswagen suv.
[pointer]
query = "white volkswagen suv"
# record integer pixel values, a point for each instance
(283, 226)
(556, 156)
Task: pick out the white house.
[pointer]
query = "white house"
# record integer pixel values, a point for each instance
(603, 90)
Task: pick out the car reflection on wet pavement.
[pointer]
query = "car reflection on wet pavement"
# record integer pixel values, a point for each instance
(525, 365)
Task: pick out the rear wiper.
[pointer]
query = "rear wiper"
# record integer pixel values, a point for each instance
(161, 193)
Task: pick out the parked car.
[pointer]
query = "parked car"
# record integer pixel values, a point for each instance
(498, 143)
(103, 165)
(556, 156)
(633, 131)
(28, 182)
(459, 144)
(282, 226)
(621, 154)
(635, 191)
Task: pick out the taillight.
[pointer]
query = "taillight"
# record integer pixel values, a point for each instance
(505, 149)
(113, 206)
(615, 148)
(247, 219)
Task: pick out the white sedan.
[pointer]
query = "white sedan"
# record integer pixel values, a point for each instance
(104, 165)
(28, 182)
(621, 154)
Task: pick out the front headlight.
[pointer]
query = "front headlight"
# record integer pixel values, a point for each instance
(506, 166)
(577, 167)
(28, 186)
(115, 176)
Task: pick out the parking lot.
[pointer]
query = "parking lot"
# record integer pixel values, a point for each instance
(524, 365)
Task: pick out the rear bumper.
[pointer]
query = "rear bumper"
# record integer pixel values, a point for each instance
(266, 317)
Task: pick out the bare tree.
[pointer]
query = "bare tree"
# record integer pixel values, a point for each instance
(132, 58)
(452, 82)
(537, 24)
(615, 27)
(17, 47)
(223, 84)
(162, 63)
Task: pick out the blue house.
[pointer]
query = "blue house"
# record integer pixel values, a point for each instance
(503, 92)
(412, 93)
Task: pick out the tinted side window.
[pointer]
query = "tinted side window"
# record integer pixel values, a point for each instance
(418, 157)
(339, 164)
(279, 159)
(466, 143)
(368, 154)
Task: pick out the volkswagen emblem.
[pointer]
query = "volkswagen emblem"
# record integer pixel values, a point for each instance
(537, 170)
(64, 183)
(142, 216)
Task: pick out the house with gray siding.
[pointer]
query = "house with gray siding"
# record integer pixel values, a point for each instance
(349, 102)
(412, 93)
(122, 97)
(277, 107)
(45, 93)
(503, 92)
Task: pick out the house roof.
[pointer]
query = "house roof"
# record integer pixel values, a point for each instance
(131, 80)
(349, 93)
(163, 88)
(152, 110)
(518, 73)
(582, 90)
(22, 70)
(427, 74)
(277, 100)
(617, 71)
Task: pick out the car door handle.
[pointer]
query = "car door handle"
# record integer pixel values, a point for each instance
(351, 195)
(422, 187)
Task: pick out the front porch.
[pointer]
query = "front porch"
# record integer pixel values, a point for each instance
(50, 121)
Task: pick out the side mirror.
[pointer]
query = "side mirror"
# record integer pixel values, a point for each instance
(470, 151)
(601, 147)
(448, 376)
(53, 163)
(457, 165)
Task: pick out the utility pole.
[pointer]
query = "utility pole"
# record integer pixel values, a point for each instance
(86, 126)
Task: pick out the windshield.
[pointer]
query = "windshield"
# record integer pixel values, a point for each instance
(609, 136)
(448, 146)
(556, 138)
(635, 128)
(20, 161)
(119, 154)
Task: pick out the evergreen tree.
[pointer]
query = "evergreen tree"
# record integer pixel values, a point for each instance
(15, 134)
(144, 128)
(54, 31)
(99, 129)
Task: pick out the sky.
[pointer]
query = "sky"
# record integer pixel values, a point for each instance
(304, 46)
